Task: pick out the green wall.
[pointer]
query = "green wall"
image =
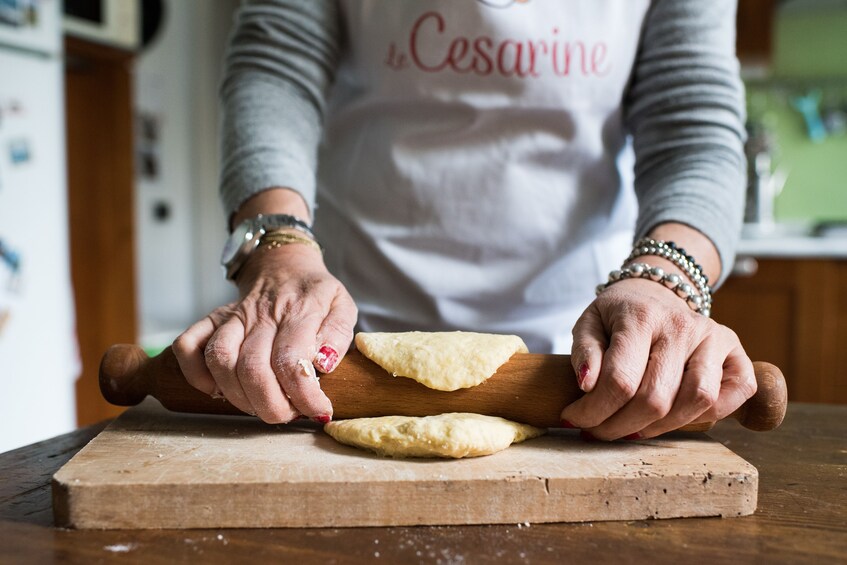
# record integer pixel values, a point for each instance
(810, 42)
(816, 186)
(809, 52)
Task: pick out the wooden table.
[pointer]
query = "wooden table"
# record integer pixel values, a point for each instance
(802, 518)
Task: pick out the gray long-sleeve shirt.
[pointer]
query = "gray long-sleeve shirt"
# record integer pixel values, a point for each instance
(468, 157)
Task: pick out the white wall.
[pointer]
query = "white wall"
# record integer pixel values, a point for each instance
(211, 29)
(179, 279)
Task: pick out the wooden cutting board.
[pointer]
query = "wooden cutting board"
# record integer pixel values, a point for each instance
(152, 468)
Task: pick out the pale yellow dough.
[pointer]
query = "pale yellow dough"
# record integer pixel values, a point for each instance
(443, 361)
(440, 360)
(453, 435)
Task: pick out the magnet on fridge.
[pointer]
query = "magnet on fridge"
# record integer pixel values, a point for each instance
(19, 152)
(5, 314)
(19, 13)
(12, 13)
(12, 260)
(10, 257)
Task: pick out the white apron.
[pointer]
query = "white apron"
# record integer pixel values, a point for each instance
(468, 177)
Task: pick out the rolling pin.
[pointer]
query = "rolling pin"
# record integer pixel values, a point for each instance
(531, 388)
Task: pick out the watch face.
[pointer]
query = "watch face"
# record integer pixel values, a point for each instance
(243, 233)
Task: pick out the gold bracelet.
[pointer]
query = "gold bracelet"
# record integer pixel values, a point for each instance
(276, 239)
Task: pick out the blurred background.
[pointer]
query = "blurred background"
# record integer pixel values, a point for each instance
(111, 229)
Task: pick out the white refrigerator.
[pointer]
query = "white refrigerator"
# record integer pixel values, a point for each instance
(39, 361)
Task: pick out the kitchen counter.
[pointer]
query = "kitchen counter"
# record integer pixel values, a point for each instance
(800, 518)
(792, 241)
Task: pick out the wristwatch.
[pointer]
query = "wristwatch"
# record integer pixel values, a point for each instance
(248, 235)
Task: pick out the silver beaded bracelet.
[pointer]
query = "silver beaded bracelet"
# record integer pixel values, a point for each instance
(672, 281)
(678, 256)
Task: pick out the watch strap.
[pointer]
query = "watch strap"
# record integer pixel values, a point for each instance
(249, 233)
(278, 221)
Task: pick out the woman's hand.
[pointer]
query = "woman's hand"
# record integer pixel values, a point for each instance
(260, 353)
(649, 364)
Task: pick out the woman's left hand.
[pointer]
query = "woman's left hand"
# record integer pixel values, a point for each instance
(649, 365)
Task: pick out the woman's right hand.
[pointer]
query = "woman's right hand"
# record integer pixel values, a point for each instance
(260, 353)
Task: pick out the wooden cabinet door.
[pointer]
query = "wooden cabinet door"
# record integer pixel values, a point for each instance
(762, 308)
(790, 313)
(754, 30)
(837, 371)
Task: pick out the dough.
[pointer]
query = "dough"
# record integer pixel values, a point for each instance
(453, 435)
(443, 361)
(440, 360)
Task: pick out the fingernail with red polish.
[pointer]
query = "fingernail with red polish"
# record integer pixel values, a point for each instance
(587, 436)
(568, 425)
(582, 374)
(631, 437)
(326, 359)
(323, 418)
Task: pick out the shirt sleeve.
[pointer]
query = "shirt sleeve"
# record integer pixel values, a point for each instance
(280, 63)
(685, 111)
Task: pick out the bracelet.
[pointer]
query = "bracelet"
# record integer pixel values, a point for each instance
(276, 239)
(678, 256)
(672, 281)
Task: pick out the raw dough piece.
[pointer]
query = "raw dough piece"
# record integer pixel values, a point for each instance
(440, 360)
(453, 435)
(443, 361)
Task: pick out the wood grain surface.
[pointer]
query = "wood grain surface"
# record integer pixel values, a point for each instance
(158, 469)
(800, 518)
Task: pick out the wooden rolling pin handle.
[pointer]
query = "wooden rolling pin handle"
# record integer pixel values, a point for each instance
(765, 410)
(128, 375)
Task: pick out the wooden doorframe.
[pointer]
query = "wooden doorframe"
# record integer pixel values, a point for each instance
(99, 121)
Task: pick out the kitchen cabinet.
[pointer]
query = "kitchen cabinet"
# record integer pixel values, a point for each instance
(754, 30)
(793, 313)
